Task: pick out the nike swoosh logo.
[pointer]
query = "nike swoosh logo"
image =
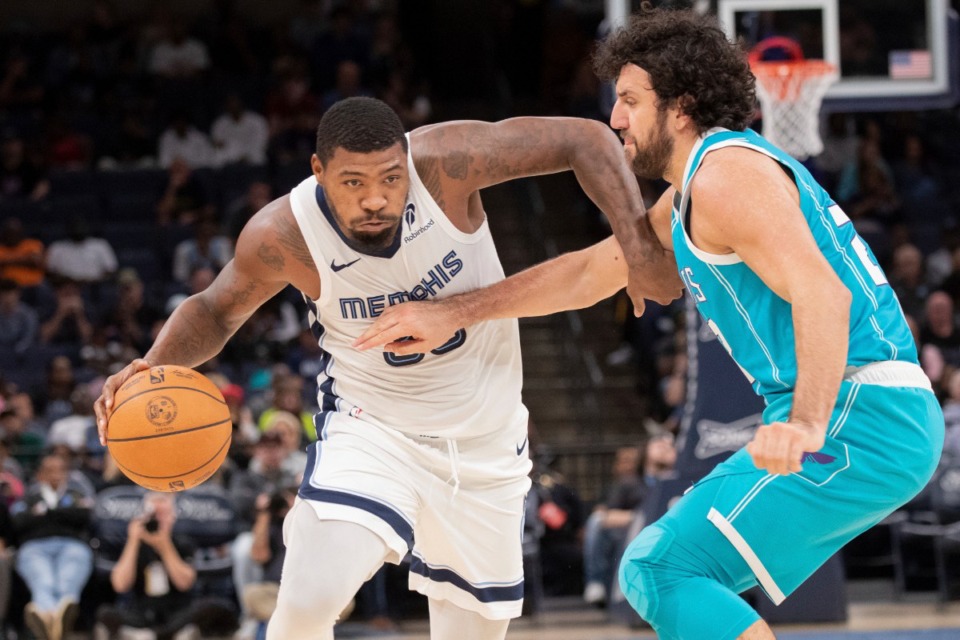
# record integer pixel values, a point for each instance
(337, 267)
(521, 446)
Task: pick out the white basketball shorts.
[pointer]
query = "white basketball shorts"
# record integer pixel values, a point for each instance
(457, 506)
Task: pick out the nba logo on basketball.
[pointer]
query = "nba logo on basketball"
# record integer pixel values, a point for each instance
(156, 375)
(176, 485)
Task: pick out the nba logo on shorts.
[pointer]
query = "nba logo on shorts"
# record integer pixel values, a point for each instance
(156, 375)
(409, 214)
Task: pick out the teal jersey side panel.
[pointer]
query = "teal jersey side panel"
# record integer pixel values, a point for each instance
(753, 322)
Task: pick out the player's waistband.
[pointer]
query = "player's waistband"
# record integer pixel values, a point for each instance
(889, 373)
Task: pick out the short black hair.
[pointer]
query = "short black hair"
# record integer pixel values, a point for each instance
(359, 125)
(689, 60)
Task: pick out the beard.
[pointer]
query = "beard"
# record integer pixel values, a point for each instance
(368, 240)
(651, 160)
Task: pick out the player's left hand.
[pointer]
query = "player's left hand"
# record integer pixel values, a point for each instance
(411, 327)
(653, 271)
(779, 447)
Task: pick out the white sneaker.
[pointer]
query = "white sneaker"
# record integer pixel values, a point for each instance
(595, 593)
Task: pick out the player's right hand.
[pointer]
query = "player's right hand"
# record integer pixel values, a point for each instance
(103, 406)
(778, 447)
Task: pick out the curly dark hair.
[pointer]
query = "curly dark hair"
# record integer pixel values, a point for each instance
(360, 125)
(689, 60)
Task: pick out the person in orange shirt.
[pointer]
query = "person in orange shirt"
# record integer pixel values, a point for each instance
(21, 259)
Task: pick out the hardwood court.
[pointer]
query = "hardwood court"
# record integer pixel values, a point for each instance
(570, 619)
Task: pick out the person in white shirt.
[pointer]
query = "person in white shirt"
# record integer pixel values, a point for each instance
(182, 140)
(80, 257)
(239, 135)
(178, 56)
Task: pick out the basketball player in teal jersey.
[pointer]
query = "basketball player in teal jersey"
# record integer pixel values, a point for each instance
(851, 430)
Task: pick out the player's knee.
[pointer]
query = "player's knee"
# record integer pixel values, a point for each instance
(643, 576)
(321, 605)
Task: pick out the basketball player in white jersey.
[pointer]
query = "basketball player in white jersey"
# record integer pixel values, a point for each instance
(426, 453)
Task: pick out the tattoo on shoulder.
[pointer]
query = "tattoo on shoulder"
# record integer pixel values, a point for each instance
(429, 171)
(291, 239)
(456, 165)
(271, 256)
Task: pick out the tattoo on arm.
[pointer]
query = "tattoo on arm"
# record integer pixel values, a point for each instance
(456, 164)
(271, 256)
(291, 239)
(429, 172)
(239, 297)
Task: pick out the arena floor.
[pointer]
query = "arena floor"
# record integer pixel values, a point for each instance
(870, 611)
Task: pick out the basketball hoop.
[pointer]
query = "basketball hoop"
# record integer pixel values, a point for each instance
(790, 93)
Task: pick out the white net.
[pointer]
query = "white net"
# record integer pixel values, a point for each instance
(790, 95)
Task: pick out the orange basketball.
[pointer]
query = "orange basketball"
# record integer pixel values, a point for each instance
(170, 428)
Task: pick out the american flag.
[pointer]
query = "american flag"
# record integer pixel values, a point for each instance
(906, 65)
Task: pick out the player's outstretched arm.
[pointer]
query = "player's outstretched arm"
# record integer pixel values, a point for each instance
(570, 281)
(766, 228)
(201, 325)
(456, 159)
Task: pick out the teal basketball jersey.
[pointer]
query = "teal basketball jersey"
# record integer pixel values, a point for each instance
(751, 321)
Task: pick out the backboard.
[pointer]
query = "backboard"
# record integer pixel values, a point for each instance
(892, 54)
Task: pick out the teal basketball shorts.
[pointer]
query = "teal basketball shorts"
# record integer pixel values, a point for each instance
(883, 445)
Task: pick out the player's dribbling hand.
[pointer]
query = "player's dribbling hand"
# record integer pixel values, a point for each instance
(779, 447)
(411, 327)
(103, 406)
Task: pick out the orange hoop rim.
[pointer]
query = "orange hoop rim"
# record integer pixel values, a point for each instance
(787, 68)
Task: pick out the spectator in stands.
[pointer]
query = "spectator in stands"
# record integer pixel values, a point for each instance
(951, 416)
(131, 317)
(605, 529)
(154, 577)
(907, 279)
(293, 112)
(25, 445)
(343, 41)
(411, 104)
(52, 524)
(259, 194)
(940, 263)
(205, 249)
(80, 257)
(288, 396)
(134, 145)
(200, 278)
(177, 56)
(245, 432)
(66, 148)
(306, 360)
(184, 200)
(560, 511)
(913, 173)
(21, 258)
(20, 176)
(939, 336)
(182, 141)
(7, 548)
(267, 550)
(52, 399)
(18, 322)
(240, 135)
(68, 322)
(267, 475)
(73, 431)
(291, 435)
(347, 84)
(20, 87)
(840, 144)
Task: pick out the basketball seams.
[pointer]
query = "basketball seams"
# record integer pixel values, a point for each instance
(169, 433)
(165, 388)
(178, 475)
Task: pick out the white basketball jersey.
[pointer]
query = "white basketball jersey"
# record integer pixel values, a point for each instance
(466, 388)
